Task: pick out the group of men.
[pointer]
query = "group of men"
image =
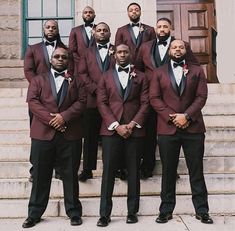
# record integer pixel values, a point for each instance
(147, 85)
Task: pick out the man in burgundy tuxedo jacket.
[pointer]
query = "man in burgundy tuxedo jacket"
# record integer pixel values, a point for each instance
(122, 99)
(37, 60)
(57, 101)
(152, 55)
(134, 33)
(96, 60)
(81, 37)
(178, 92)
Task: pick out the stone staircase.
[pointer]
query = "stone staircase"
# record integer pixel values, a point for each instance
(219, 163)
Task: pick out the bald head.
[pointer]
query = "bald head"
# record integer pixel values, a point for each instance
(88, 14)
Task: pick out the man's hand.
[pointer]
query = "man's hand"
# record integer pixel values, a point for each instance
(131, 126)
(179, 120)
(57, 121)
(123, 131)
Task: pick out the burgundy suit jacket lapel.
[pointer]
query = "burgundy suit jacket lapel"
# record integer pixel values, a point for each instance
(45, 53)
(131, 32)
(98, 58)
(53, 87)
(128, 88)
(84, 35)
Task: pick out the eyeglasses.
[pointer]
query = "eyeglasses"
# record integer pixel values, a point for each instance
(65, 57)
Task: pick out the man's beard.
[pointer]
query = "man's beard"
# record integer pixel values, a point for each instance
(165, 37)
(91, 20)
(51, 39)
(135, 20)
(178, 59)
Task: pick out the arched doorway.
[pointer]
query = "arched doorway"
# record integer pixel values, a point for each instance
(194, 21)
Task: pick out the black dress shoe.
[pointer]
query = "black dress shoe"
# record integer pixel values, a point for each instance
(204, 217)
(103, 221)
(58, 176)
(164, 217)
(131, 219)
(75, 220)
(85, 175)
(30, 222)
(177, 176)
(122, 174)
(145, 174)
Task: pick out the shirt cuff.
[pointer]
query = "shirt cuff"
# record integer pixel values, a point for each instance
(113, 126)
(136, 124)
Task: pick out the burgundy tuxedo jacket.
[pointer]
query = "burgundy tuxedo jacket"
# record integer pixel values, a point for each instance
(37, 61)
(126, 36)
(42, 100)
(79, 41)
(113, 106)
(166, 98)
(90, 69)
(148, 57)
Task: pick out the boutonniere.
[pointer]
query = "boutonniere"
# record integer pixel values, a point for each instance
(185, 69)
(68, 77)
(142, 29)
(111, 51)
(133, 72)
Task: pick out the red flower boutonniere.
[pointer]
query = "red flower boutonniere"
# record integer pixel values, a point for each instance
(111, 51)
(132, 73)
(68, 77)
(185, 69)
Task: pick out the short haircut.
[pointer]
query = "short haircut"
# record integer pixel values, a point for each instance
(133, 3)
(103, 23)
(53, 20)
(165, 19)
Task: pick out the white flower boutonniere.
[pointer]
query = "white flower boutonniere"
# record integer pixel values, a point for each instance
(68, 77)
(133, 72)
(111, 51)
(185, 69)
(142, 29)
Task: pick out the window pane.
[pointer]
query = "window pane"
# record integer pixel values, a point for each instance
(64, 8)
(65, 27)
(65, 40)
(35, 28)
(34, 8)
(49, 8)
(34, 40)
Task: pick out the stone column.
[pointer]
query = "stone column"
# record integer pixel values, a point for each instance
(225, 17)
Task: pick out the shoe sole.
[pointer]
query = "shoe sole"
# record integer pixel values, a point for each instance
(162, 222)
(200, 219)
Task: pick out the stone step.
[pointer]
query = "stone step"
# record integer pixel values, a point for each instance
(21, 188)
(22, 137)
(211, 165)
(219, 204)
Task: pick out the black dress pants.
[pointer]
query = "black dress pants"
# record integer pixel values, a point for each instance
(44, 154)
(193, 147)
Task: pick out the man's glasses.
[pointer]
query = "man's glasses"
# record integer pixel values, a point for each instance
(65, 57)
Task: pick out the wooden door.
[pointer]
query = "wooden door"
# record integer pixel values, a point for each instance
(195, 24)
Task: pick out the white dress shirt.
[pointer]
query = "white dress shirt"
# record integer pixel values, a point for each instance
(123, 76)
(88, 30)
(103, 51)
(58, 80)
(50, 49)
(136, 29)
(163, 49)
(178, 72)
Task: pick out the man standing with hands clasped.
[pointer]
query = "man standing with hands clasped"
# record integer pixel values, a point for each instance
(178, 92)
(57, 101)
(122, 99)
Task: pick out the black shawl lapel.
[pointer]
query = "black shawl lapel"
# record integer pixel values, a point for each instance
(84, 35)
(132, 34)
(63, 92)
(182, 84)
(172, 78)
(46, 56)
(53, 87)
(98, 58)
(117, 82)
(157, 56)
(128, 88)
(152, 54)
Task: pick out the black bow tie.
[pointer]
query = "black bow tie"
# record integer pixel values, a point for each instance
(181, 64)
(56, 74)
(120, 69)
(88, 25)
(164, 43)
(102, 46)
(135, 24)
(50, 44)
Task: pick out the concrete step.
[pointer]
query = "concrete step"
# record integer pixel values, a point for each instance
(21, 188)
(211, 165)
(22, 137)
(20, 153)
(219, 204)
